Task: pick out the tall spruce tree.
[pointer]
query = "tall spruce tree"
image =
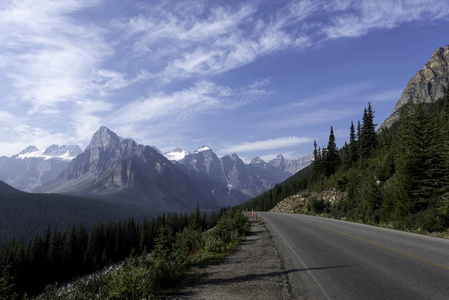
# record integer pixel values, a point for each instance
(417, 157)
(353, 148)
(332, 158)
(368, 137)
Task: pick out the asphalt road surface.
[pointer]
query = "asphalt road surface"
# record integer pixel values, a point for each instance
(331, 259)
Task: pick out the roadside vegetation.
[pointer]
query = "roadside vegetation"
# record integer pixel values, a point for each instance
(156, 255)
(398, 177)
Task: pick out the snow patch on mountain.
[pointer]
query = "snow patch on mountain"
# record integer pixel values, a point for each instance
(201, 149)
(65, 153)
(229, 185)
(177, 154)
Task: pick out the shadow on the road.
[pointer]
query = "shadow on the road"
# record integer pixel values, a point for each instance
(245, 278)
(251, 277)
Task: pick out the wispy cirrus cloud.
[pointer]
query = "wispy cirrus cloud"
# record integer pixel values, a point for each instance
(50, 57)
(180, 105)
(358, 18)
(194, 40)
(270, 144)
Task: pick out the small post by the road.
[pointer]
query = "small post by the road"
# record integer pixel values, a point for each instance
(252, 213)
(255, 216)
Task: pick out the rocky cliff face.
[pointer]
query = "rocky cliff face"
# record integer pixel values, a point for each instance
(429, 84)
(120, 168)
(229, 181)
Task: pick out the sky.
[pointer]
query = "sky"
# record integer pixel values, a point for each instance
(253, 77)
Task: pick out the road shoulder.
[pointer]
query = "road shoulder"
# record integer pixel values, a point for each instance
(253, 271)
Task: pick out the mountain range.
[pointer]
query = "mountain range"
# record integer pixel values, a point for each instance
(121, 169)
(32, 167)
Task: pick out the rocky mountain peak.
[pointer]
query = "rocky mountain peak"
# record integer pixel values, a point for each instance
(29, 149)
(257, 160)
(278, 161)
(429, 84)
(104, 138)
(70, 151)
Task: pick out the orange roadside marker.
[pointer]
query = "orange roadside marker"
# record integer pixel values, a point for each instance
(255, 215)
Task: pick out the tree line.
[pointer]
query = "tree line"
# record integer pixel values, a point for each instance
(398, 176)
(58, 256)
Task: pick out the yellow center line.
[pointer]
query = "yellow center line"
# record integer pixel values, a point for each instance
(379, 245)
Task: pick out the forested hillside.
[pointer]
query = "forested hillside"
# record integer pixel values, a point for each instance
(398, 176)
(173, 239)
(23, 215)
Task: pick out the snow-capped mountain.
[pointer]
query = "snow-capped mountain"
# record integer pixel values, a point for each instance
(122, 169)
(66, 153)
(229, 180)
(32, 167)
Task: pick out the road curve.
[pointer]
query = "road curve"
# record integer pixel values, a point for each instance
(332, 259)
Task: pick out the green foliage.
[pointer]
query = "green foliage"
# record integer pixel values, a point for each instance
(367, 138)
(7, 284)
(399, 176)
(76, 251)
(316, 206)
(332, 160)
(23, 215)
(150, 276)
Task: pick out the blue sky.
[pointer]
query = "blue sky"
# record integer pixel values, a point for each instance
(252, 77)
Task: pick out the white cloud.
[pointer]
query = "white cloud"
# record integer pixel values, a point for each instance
(278, 143)
(26, 135)
(193, 40)
(181, 105)
(7, 118)
(358, 18)
(50, 57)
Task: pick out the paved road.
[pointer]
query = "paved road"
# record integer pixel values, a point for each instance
(331, 259)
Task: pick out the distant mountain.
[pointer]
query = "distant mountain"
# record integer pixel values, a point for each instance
(291, 166)
(228, 180)
(32, 168)
(5, 188)
(23, 215)
(122, 169)
(429, 84)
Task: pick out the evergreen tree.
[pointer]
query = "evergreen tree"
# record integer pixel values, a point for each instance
(368, 138)
(418, 160)
(317, 163)
(353, 148)
(196, 220)
(7, 284)
(332, 158)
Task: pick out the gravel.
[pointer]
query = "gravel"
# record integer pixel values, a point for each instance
(253, 271)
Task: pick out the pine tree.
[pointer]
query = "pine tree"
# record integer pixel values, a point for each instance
(332, 158)
(416, 159)
(353, 147)
(7, 284)
(317, 163)
(196, 220)
(368, 137)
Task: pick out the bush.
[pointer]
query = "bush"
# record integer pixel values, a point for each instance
(151, 275)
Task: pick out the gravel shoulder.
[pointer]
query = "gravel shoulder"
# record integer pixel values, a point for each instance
(253, 271)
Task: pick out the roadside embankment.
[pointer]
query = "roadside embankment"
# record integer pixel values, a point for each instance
(253, 271)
